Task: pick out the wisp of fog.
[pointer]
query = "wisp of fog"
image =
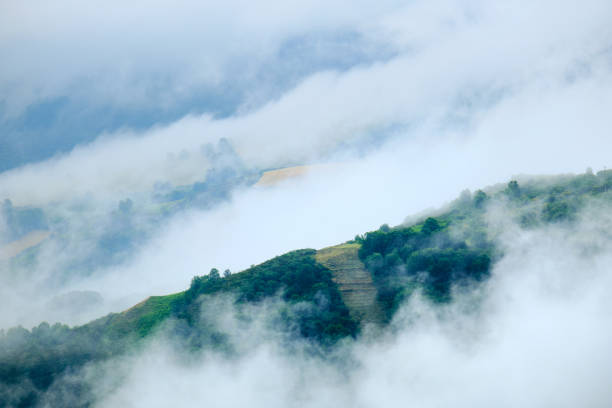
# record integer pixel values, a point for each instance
(405, 104)
(537, 334)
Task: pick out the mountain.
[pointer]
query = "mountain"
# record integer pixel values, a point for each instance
(323, 297)
(122, 224)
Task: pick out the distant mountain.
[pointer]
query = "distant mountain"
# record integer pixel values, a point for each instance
(121, 227)
(326, 296)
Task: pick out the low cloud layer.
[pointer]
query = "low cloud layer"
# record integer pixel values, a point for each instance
(537, 333)
(73, 72)
(460, 71)
(146, 54)
(442, 96)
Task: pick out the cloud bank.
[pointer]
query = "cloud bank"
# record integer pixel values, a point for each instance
(464, 99)
(413, 101)
(536, 334)
(459, 69)
(75, 70)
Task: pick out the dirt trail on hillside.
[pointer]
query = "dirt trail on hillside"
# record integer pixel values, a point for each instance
(355, 282)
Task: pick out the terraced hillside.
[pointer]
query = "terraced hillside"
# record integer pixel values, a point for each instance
(355, 282)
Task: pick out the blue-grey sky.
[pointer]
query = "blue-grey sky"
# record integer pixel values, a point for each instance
(417, 100)
(410, 102)
(292, 84)
(71, 73)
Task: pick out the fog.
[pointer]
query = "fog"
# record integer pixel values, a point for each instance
(77, 70)
(459, 69)
(143, 54)
(537, 333)
(409, 103)
(465, 102)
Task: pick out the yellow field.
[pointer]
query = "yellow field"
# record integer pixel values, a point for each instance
(16, 247)
(273, 177)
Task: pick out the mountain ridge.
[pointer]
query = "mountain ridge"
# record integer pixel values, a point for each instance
(325, 296)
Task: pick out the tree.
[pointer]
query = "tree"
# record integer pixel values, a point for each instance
(227, 273)
(556, 210)
(125, 206)
(513, 190)
(430, 226)
(480, 198)
(214, 274)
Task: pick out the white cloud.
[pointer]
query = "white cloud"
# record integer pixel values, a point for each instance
(470, 101)
(145, 53)
(537, 334)
(476, 73)
(476, 93)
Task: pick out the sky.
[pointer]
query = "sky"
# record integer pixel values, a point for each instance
(412, 102)
(79, 70)
(415, 101)
(432, 72)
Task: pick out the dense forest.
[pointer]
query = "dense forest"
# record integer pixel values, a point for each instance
(402, 259)
(31, 360)
(455, 249)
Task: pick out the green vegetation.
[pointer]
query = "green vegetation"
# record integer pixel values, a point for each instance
(299, 278)
(40, 355)
(455, 248)
(450, 249)
(424, 255)
(142, 318)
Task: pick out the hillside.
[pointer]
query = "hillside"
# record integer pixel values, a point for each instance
(354, 282)
(273, 177)
(16, 247)
(326, 296)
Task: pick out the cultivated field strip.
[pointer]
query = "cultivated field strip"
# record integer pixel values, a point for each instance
(354, 281)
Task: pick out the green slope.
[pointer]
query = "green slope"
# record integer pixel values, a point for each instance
(336, 288)
(354, 282)
(42, 354)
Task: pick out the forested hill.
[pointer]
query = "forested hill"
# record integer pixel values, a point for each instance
(321, 296)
